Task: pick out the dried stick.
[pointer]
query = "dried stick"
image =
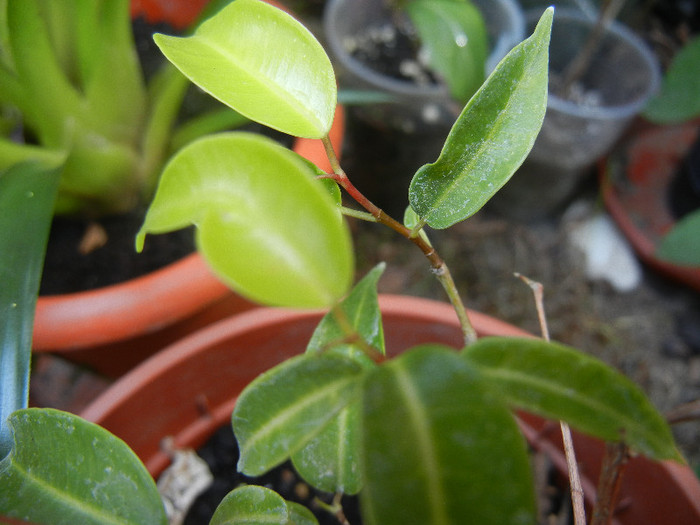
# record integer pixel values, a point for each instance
(574, 478)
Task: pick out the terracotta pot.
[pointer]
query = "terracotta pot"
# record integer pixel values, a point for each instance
(635, 181)
(112, 329)
(189, 390)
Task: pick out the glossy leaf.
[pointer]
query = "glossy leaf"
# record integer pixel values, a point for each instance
(491, 138)
(286, 407)
(358, 314)
(264, 224)
(261, 62)
(251, 505)
(559, 382)
(439, 448)
(454, 36)
(679, 98)
(681, 244)
(27, 194)
(65, 470)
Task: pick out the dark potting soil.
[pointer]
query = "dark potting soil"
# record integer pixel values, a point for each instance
(393, 51)
(221, 454)
(67, 270)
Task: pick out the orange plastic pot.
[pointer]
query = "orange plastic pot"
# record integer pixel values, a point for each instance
(635, 181)
(111, 329)
(189, 390)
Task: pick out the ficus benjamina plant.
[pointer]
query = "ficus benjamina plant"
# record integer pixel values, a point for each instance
(426, 437)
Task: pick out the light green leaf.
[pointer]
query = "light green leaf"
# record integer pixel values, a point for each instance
(454, 36)
(681, 245)
(286, 407)
(261, 62)
(679, 98)
(251, 505)
(27, 194)
(357, 315)
(65, 470)
(300, 515)
(491, 138)
(559, 382)
(439, 448)
(264, 224)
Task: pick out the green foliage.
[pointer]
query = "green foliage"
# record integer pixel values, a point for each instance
(245, 191)
(439, 447)
(27, 193)
(559, 382)
(286, 407)
(491, 138)
(681, 244)
(426, 437)
(96, 479)
(679, 98)
(251, 505)
(454, 35)
(259, 46)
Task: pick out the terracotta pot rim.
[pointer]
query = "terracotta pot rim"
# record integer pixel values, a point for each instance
(148, 303)
(641, 242)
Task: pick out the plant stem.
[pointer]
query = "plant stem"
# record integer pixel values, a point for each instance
(577, 500)
(614, 463)
(438, 266)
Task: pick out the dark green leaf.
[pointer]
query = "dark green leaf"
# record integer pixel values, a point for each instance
(27, 194)
(559, 382)
(286, 407)
(681, 245)
(65, 470)
(357, 315)
(454, 36)
(439, 448)
(491, 138)
(251, 505)
(679, 99)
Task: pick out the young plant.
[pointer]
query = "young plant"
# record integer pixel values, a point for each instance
(425, 437)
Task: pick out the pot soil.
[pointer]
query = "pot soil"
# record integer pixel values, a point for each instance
(189, 390)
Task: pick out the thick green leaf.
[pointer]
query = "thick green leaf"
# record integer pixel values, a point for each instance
(679, 99)
(556, 381)
(27, 194)
(491, 138)
(286, 407)
(357, 315)
(264, 224)
(439, 447)
(251, 505)
(261, 62)
(681, 245)
(65, 470)
(454, 36)
(331, 460)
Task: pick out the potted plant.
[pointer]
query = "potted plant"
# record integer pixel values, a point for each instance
(336, 409)
(59, 96)
(601, 76)
(651, 182)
